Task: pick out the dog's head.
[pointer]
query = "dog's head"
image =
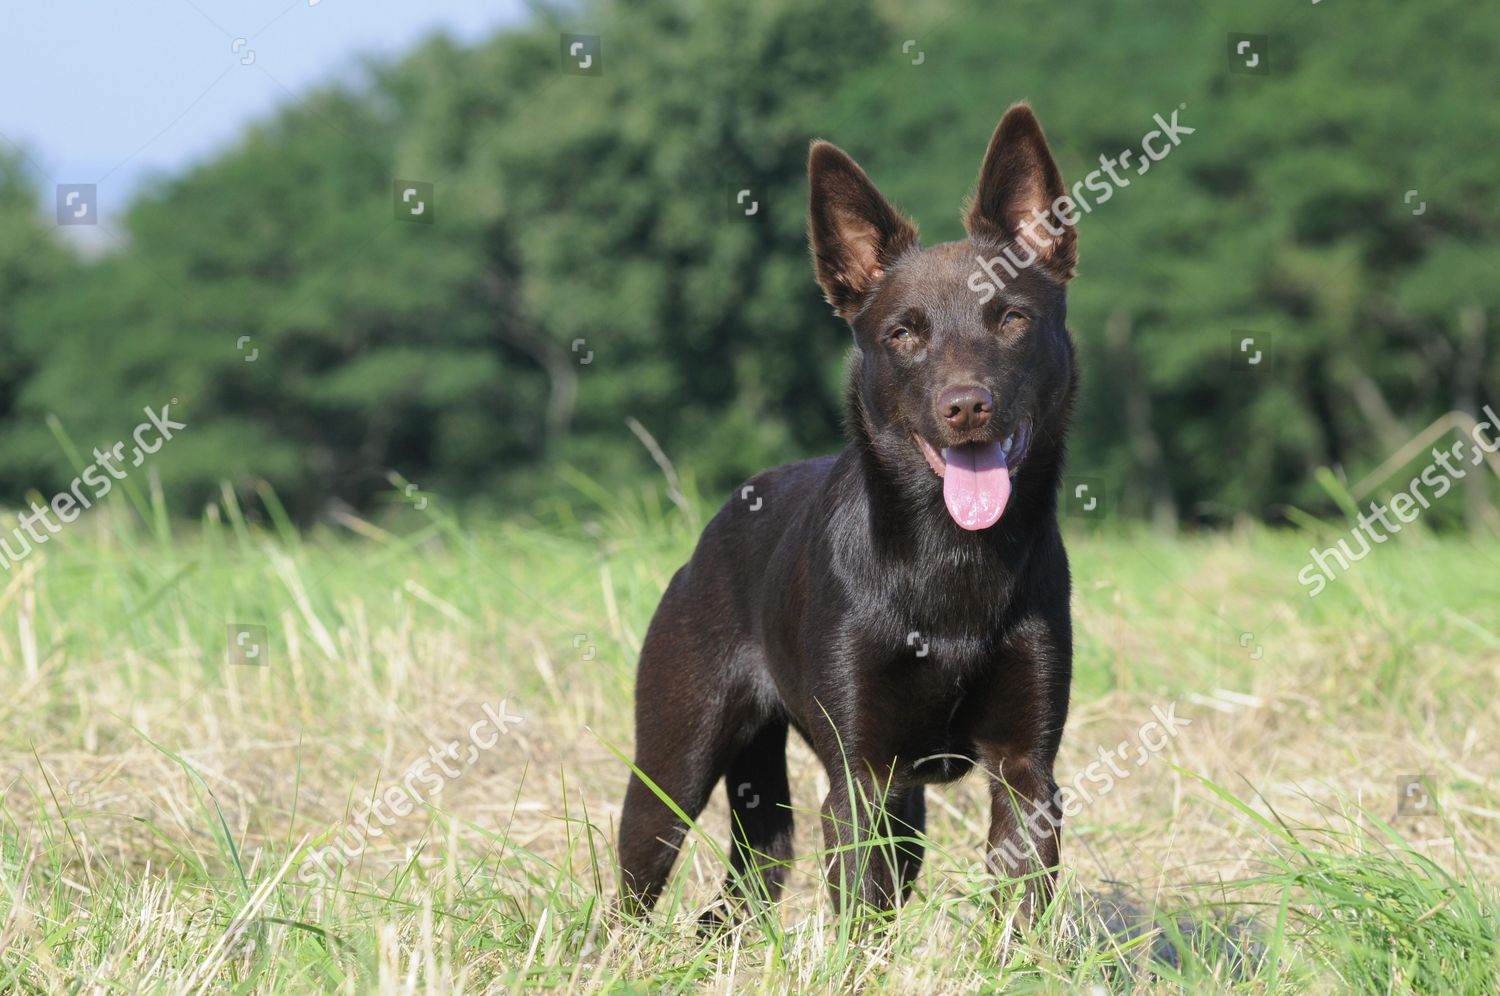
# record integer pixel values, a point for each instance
(966, 368)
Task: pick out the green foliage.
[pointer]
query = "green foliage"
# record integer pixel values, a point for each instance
(30, 259)
(593, 212)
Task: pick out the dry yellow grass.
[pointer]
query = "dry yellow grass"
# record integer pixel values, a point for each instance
(160, 804)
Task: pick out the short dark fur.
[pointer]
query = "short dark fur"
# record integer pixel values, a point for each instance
(796, 609)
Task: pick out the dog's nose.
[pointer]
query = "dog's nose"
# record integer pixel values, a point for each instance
(966, 407)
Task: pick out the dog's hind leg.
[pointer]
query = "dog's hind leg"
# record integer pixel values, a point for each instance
(690, 720)
(760, 816)
(651, 832)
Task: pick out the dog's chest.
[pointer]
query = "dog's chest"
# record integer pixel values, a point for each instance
(914, 711)
(924, 658)
(949, 621)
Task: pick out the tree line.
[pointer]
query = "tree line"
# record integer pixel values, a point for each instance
(588, 255)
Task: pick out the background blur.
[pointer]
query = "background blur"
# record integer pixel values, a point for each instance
(579, 258)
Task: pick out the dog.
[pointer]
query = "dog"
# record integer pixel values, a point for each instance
(903, 604)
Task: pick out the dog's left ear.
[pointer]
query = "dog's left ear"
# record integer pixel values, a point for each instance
(854, 231)
(1018, 185)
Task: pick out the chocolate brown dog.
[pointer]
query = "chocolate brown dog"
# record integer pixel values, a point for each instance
(902, 605)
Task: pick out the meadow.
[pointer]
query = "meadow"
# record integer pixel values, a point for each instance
(174, 779)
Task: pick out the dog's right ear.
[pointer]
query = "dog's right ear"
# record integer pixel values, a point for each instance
(855, 232)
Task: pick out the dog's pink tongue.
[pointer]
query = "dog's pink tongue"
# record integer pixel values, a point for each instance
(976, 484)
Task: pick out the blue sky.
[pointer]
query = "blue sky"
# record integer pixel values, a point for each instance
(113, 91)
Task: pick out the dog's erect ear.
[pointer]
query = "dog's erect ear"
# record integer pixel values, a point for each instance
(1017, 181)
(855, 232)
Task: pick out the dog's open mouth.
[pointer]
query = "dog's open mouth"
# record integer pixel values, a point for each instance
(976, 476)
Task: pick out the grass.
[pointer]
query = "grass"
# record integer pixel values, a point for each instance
(161, 806)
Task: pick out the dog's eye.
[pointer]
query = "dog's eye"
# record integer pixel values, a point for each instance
(1013, 321)
(901, 333)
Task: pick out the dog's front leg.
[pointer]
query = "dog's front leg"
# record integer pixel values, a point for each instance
(868, 860)
(1025, 828)
(1018, 740)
